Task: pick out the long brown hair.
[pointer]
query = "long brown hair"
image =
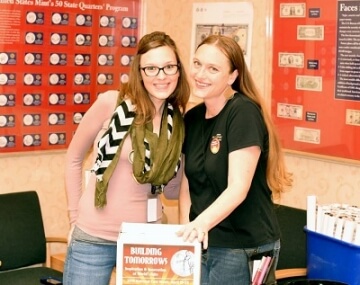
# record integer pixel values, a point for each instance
(134, 88)
(277, 176)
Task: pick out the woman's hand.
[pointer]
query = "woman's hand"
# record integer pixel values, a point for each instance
(194, 230)
(72, 227)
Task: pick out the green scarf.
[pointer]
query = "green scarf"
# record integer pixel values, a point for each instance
(164, 151)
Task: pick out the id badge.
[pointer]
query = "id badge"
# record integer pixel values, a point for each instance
(154, 212)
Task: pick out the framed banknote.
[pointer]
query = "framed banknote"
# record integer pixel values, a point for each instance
(315, 85)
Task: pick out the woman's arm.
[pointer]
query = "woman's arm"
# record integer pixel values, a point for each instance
(80, 145)
(242, 166)
(184, 198)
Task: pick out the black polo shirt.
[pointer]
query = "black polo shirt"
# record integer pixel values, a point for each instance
(207, 145)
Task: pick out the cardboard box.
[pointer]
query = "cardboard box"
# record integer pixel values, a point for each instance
(153, 254)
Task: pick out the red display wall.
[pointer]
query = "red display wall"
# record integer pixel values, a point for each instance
(55, 58)
(315, 81)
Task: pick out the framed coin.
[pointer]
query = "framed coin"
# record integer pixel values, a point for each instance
(79, 79)
(101, 79)
(54, 58)
(3, 58)
(3, 100)
(3, 141)
(124, 78)
(53, 139)
(55, 38)
(126, 22)
(79, 59)
(31, 17)
(125, 41)
(53, 119)
(28, 99)
(28, 140)
(80, 39)
(30, 38)
(102, 59)
(3, 78)
(54, 79)
(80, 20)
(28, 120)
(3, 121)
(125, 60)
(78, 98)
(28, 79)
(53, 99)
(56, 18)
(77, 118)
(104, 21)
(103, 40)
(29, 58)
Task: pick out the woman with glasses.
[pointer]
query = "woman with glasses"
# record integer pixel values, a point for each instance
(233, 169)
(138, 133)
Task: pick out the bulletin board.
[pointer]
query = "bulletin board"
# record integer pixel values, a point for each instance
(55, 58)
(316, 77)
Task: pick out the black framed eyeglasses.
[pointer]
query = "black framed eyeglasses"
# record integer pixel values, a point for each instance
(152, 71)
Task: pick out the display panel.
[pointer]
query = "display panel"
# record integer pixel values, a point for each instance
(315, 81)
(55, 58)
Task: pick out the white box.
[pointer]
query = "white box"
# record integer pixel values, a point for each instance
(154, 254)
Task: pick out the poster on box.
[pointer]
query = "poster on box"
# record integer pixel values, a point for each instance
(153, 254)
(158, 264)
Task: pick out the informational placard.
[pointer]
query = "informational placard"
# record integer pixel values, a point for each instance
(55, 58)
(315, 82)
(153, 254)
(234, 20)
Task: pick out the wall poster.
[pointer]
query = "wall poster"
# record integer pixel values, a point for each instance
(234, 20)
(316, 77)
(55, 58)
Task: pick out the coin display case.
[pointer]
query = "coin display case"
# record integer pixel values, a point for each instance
(54, 61)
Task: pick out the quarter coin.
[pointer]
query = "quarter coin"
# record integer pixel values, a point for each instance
(3, 100)
(28, 79)
(80, 20)
(126, 22)
(28, 99)
(79, 78)
(55, 38)
(79, 59)
(3, 58)
(54, 79)
(31, 17)
(102, 59)
(104, 21)
(30, 38)
(101, 79)
(54, 58)
(80, 39)
(56, 18)
(3, 141)
(29, 58)
(53, 99)
(53, 119)
(103, 40)
(53, 138)
(28, 140)
(28, 120)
